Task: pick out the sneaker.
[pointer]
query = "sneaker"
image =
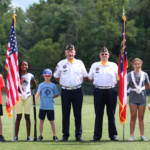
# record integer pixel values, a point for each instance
(131, 138)
(2, 139)
(29, 138)
(143, 138)
(55, 138)
(40, 138)
(15, 138)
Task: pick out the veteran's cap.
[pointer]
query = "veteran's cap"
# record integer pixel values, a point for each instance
(70, 47)
(104, 49)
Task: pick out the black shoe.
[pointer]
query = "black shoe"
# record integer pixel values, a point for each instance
(79, 139)
(2, 139)
(40, 138)
(93, 140)
(55, 138)
(114, 139)
(64, 139)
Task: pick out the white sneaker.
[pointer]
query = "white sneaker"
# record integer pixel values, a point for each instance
(143, 138)
(15, 138)
(131, 138)
(29, 138)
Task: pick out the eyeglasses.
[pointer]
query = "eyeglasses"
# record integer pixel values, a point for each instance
(104, 54)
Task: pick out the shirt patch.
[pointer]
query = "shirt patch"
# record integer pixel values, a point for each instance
(64, 66)
(97, 69)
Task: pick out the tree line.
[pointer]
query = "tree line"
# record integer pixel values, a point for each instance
(46, 28)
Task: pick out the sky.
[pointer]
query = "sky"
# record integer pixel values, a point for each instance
(24, 4)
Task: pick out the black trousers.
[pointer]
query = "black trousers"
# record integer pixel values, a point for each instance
(76, 98)
(104, 97)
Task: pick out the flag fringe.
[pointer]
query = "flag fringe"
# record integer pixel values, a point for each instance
(122, 120)
(8, 112)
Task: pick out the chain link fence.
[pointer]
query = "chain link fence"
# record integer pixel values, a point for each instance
(87, 87)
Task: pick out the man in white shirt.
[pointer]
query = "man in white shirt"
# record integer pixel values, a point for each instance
(71, 73)
(104, 75)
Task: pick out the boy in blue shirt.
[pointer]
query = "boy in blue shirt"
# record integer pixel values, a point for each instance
(47, 91)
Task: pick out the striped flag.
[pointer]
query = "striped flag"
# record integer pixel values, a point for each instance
(12, 70)
(122, 74)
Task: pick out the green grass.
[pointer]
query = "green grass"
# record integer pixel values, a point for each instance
(88, 118)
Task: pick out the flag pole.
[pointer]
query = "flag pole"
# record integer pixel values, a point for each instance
(14, 109)
(123, 131)
(124, 123)
(14, 124)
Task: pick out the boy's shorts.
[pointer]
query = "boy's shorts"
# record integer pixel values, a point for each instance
(23, 104)
(1, 110)
(50, 114)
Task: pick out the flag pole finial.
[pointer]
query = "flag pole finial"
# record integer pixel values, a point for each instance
(14, 9)
(123, 12)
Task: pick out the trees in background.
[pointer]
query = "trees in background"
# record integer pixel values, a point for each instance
(45, 29)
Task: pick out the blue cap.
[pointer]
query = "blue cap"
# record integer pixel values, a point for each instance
(47, 72)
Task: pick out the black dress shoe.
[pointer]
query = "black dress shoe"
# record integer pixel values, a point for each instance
(79, 139)
(93, 140)
(114, 139)
(64, 139)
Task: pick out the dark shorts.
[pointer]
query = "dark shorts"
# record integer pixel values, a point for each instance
(1, 110)
(137, 104)
(50, 114)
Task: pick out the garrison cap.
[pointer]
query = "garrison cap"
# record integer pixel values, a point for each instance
(104, 49)
(70, 47)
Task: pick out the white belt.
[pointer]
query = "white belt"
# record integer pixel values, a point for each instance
(137, 90)
(105, 87)
(71, 88)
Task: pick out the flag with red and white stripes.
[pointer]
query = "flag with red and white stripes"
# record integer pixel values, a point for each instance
(12, 70)
(122, 74)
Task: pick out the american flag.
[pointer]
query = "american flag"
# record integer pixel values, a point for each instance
(122, 74)
(12, 70)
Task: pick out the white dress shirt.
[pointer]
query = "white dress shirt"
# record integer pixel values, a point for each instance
(104, 75)
(70, 75)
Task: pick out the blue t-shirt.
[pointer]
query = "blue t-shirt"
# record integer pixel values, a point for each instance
(47, 92)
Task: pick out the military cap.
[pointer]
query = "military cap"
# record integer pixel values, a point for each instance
(104, 49)
(70, 47)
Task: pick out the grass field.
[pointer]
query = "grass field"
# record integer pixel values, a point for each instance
(88, 118)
